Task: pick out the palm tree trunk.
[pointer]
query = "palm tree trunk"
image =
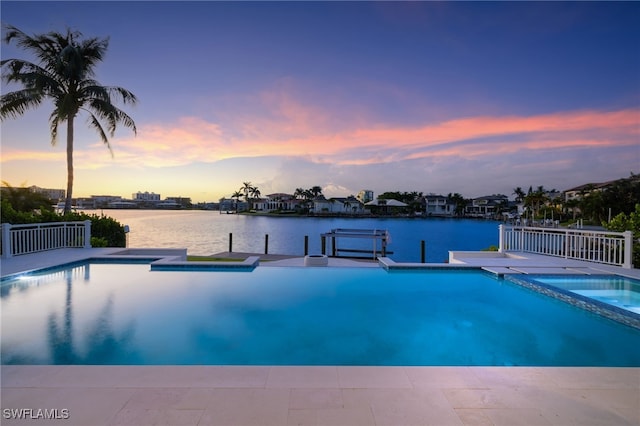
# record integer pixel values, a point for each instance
(67, 202)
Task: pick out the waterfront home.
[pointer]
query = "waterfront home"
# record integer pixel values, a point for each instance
(338, 205)
(487, 206)
(438, 205)
(277, 202)
(385, 206)
(231, 204)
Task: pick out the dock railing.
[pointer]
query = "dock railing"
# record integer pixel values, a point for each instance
(36, 237)
(612, 248)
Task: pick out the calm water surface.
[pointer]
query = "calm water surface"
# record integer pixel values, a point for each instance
(126, 314)
(207, 232)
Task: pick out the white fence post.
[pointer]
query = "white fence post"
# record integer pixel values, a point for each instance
(501, 239)
(87, 234)
(628, 249)
(6, 240)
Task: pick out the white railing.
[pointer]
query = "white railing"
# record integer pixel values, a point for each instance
(36, 237)
(612, 248)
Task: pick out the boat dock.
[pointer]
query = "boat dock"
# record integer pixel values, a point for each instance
(379, 238)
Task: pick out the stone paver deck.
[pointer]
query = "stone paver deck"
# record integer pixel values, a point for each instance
(210, 395)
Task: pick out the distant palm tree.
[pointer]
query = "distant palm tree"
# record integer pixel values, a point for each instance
(519, 193)
(247, 189)
(316, 191)
(64, 75)
(459, 201)
(255, 194)
(299, 193)
(237, 196)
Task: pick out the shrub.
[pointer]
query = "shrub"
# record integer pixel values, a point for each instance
(102, 227)
(622, 223)
(105, 231)
(99, 242)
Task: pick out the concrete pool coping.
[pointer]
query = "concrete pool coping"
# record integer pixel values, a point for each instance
(247, 395)
(498, 262)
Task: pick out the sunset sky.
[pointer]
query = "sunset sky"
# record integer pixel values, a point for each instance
(439, 97)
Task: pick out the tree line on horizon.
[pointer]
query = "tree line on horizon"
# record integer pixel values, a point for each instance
(593, 205)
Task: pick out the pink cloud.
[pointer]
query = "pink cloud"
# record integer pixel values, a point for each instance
(296, 129)
(193, 139)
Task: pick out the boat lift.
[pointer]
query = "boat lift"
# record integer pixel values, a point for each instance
(375, 235)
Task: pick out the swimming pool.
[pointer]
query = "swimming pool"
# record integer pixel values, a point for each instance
(125, 314)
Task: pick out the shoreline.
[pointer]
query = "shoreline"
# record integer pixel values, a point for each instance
(294, 214)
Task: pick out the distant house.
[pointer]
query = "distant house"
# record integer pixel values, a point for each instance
(51, 194)
(231, 205)
(278, 201)
(338, 205)
(385, 206)
(580, 191)
(487, 206)
(104, 200)
(85, 203)
(438, 205)
(180, 201)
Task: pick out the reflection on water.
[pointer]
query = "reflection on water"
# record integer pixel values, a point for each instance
(49, 300)
(26, 281)
(101, 343)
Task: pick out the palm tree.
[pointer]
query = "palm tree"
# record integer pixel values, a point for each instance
(459, 201)
(64, 76)
(519, 193)
(255, 194)
(299, 193)
(237, 196)
(246, 189)
(316, 191)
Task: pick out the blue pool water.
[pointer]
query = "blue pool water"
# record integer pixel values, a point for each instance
(126, 314)
(614, 290)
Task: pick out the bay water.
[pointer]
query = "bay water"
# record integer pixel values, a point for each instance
(207, 232)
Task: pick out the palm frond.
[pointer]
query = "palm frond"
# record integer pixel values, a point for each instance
(54, 121)
(111, 114)
(92, 89)
(63, 74)
(14, 104)
(95, 123)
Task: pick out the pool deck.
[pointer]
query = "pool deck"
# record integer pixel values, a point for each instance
(326, 395)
